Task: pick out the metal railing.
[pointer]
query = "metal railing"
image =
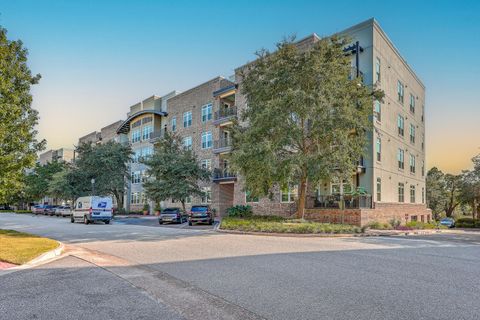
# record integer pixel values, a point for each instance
(348, 201)
(157, 134)
(222, 143)
(223, 174)
(226, 113)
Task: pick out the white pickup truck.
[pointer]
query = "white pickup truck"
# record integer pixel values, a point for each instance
(91, 209)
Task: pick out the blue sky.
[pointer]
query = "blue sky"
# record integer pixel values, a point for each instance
(99, 57)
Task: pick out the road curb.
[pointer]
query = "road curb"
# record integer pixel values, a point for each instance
(331, 235)
(44, 258)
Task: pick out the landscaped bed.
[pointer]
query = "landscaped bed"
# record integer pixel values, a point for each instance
(274, 224)
(19, 248)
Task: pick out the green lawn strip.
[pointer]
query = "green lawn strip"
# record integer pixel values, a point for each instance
(281, 225)
(19, 248)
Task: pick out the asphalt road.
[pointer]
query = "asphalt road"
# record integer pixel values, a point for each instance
(419, 277)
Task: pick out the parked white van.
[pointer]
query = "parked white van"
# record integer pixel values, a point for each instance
(90, 209)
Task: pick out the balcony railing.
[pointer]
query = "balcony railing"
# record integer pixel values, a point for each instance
(348, 201)
(224, 115)
(157, 134)
(222, 145)
(223, 175)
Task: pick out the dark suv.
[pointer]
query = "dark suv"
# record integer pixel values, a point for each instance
(172, 215)
(201, 213)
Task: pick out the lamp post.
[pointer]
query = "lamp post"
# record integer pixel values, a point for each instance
(93, 186)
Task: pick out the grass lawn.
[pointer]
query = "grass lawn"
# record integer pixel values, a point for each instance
(282, 225)
(18, 247)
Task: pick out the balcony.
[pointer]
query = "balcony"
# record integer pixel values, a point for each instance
(348, 201)
(157, 135)
(223, 176)
(225, 116)
(222, 146)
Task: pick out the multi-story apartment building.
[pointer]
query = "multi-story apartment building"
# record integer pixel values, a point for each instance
(391, 175)
(144, 123)
(62, 154)
(105, 134)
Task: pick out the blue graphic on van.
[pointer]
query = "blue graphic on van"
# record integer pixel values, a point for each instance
(102, 204)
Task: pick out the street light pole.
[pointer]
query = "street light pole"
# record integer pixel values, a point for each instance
(93, 186)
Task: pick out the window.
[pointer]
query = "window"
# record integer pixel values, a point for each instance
(147, 152)
(137, 123)
(136, 177)
(412, 163)
(423, 195)
(135, 135)
(207, 164)
(207, 112)
(412, 133)
(423, 142)
(412, 103)
(377, 69)
(207, 195)
(143, 198)
(187, 119)
(423, 112)
(379, 189)
(289, 194)
(401, 188)
(187, 143)
(135, 198)
(207, 140)
(400, 91)
(400, 158)
(423, 168)
(377, 111)
(144, 176)
(379, 149)
(249, 197)
(147, 120)
(400, 125)
(188, 199)
(174, 124)
(147, 132)
(413, 218)
(412, 194)
(137, 154)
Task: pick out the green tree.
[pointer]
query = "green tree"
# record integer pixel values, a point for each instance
(453, 185)
(69, 184)
(18, 145)
(174, 172)
(307, 118)
(470, 187)
(436, 194)
(37, 182)
(107, 164)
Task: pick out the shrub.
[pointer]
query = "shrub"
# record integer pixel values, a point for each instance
(467, 223)
(282, 225)
(395, 223)
(379, 226)
(240, 211)
(146, 207)
(421, 225)
(23, 211)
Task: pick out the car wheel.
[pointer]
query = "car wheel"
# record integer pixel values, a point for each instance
(190, 223)
(85, 220)
(210, 222)
(160, 222)
(107, 221)
(72, 220)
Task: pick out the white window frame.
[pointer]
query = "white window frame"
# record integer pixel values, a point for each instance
(187, 119)
(401, 125)
(174, 124)
(207, 164)
(291, 193)
(207, 140)
(187, 143)
(147, 132)
(401, 158)
(378, 69)
(207, 112)
(207, 195)
(377, 110)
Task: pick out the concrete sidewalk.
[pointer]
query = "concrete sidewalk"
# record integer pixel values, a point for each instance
(72, 288)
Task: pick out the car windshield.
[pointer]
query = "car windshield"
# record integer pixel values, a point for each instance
(199, 209)
(170, 210)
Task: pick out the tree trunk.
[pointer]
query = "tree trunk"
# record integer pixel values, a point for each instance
(302, 196)
(183, 206)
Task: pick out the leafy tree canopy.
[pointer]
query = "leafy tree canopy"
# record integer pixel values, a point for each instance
(174, 172)
(18, 143)
(307, 118)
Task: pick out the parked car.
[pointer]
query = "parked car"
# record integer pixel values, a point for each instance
(201, 214)
(172, 215)
(50, 210)
(63, 211)
(448, 222)
(91, 209)
(38, 209)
